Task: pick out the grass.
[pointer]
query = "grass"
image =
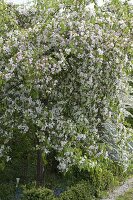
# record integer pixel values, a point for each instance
(127, 196)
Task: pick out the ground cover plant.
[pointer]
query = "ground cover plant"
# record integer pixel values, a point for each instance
(128, 195)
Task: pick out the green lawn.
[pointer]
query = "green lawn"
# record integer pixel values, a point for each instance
(127, 196)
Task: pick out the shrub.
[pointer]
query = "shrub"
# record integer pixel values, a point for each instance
(102, 180)
(38, 194)
(81, 191)
(7, 191)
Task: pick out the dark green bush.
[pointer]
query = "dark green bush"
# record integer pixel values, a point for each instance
(81, 191)
(7, 191)
(38, 194)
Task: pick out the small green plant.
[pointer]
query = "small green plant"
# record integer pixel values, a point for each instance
(102, 181)
(81, 191)
(127, 196)
(7, 191)
(38, 194)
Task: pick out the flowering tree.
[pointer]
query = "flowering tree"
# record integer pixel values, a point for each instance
(62, 81)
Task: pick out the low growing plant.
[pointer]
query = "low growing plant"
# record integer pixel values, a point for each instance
(38, 194)
(7, 191)
(81, 191)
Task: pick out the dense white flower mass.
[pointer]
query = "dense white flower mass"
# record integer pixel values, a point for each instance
(19, 1)
(62, 78)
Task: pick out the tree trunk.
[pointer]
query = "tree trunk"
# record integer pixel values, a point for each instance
(40, 169)
(25, 166)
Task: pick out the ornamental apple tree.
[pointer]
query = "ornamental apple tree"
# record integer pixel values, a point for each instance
(63, 78)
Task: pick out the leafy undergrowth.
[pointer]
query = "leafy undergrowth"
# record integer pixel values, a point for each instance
(127, 196)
